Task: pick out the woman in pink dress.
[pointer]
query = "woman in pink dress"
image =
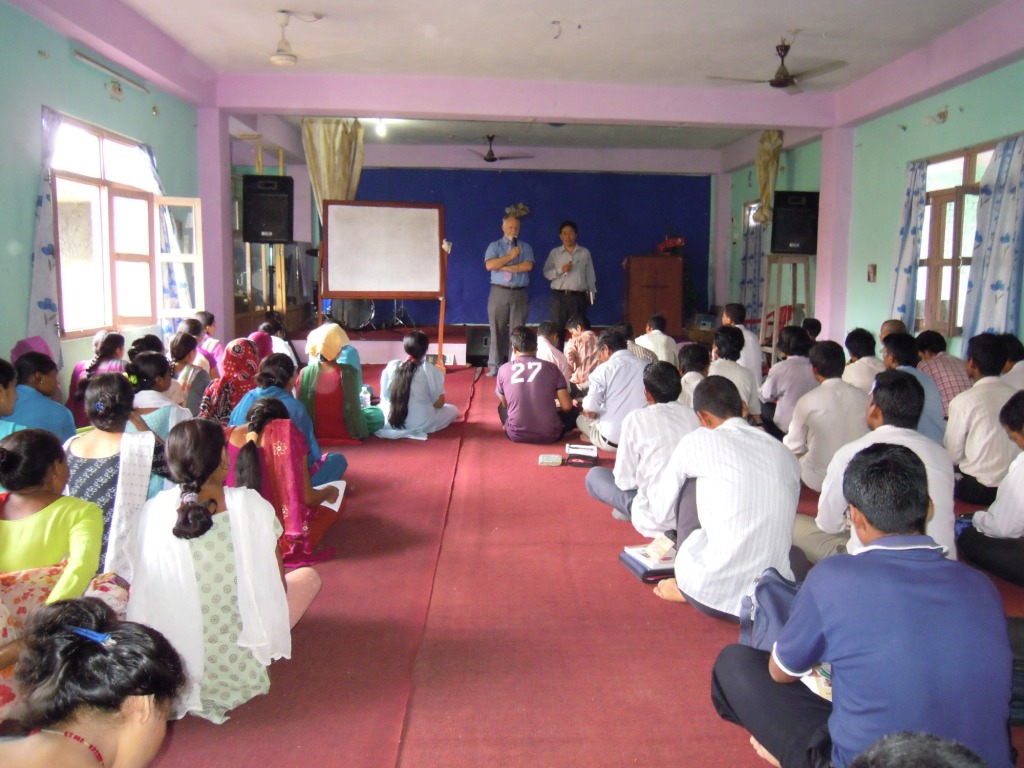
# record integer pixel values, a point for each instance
(109, 350)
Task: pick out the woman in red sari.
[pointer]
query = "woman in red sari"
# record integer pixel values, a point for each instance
(238, 371)
(268, 454)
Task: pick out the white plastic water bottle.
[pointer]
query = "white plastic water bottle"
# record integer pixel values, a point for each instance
(364, 397)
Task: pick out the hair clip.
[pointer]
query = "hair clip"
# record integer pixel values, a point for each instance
(103, 638)
(191, 497)
(132, 379)
(99, 407)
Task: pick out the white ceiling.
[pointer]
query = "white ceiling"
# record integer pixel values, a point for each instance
(672, 43)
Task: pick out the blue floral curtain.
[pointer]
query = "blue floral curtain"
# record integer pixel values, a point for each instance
(752, 265)
(908, 246)
(993, 290)
(177, 291)
(43, 315)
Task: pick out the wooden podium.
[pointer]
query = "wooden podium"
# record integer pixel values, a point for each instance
(654, 286)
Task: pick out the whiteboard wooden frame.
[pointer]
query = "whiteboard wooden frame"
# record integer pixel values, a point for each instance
(379, 250)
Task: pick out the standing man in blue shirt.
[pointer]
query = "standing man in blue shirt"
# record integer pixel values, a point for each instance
(509, 262)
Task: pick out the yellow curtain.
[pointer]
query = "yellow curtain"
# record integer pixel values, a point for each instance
(334, 154)
(767, 161)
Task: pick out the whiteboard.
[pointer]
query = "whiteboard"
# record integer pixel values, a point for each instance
(382, 250)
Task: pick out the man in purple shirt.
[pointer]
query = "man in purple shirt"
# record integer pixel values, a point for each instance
(529, 388)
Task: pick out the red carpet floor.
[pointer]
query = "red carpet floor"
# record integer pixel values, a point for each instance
(476, 615)
(540, 648)
(341, 700)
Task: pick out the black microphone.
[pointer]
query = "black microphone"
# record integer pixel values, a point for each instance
(515, 241)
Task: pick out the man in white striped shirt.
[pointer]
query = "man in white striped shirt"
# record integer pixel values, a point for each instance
(748, 485)
(649, 435)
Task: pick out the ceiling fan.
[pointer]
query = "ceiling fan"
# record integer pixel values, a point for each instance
(490, 157)
(283, 56)
(783, 78)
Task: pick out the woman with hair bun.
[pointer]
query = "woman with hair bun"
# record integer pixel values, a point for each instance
(268, 454)
(150, 376)
(96, 691)
(277, 379)
(191, 379)
(49, 543)
(39, 525)
(207, 574)
(108, 347)
(113, 468)
(412, 392)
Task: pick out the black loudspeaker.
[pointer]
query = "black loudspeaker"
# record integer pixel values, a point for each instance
(478, 344)
(795, 223)
(267, 203)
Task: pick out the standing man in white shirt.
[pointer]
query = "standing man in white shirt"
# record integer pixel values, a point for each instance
(894, 407)
(826, 418)
(649, 435)
(570, 268)
(747, 488)
(974, 438)
(616, 388)
(751, 357)
(659, 342)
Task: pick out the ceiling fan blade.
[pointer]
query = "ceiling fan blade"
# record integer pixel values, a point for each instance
(823, 69)
(737, 79)
(515, 157)
(793, 89)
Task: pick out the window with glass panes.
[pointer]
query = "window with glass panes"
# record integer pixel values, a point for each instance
(947, 240)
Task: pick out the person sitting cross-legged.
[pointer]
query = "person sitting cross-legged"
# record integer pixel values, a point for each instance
(695, 363)
(580, 353)
(547, 348)
(995, 541)
(899, 352)
(751, 357)
(659, 342)
(863, 365)
(789, 379)
(649, 435)
(894, 407)
(827, 417)
(528, 389)
(949, 373)
(616, 388)
(974, 438)
(747, 488)
(725, 355)
(916, 642)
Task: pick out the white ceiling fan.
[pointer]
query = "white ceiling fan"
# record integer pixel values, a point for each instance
(283, 56)
(490, 157)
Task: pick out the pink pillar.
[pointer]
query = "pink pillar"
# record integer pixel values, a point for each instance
(835, 210)
(214, 152)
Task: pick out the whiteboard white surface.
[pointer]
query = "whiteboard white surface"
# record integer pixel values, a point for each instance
(380, 250)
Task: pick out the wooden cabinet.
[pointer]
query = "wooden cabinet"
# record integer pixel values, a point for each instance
(654, 286)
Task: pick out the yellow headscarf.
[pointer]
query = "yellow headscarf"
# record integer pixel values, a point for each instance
(326, 341)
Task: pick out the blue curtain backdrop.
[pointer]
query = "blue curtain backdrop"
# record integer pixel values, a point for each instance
(618, 215)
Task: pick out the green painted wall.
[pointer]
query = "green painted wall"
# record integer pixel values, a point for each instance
(799, 169)
(982, 110)
(38, 70)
